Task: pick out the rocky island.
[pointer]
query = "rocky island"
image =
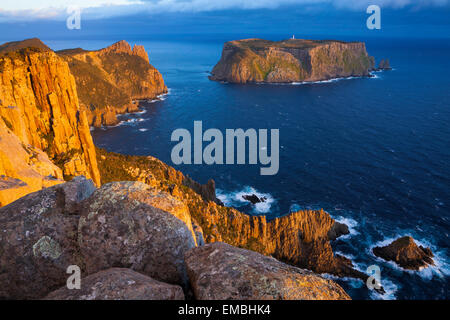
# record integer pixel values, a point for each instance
(293, 60)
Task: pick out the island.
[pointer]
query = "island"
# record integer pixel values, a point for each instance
(293, 60)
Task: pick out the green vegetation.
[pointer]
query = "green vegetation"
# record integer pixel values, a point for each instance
(33, 44)
(94, 89)
(62, 158)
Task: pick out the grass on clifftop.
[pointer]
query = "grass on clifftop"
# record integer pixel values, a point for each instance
(289, 43)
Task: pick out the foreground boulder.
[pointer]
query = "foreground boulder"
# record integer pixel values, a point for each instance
(220, 271)
(119, 284)
(38, 239)
(120, 229)
(406, 253)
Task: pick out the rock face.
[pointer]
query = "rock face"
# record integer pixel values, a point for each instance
(119, 228)
(38, 239)
(221, 272)
(116, 75)
(23, 168)
(119, 284)
(39, 105)
(406, 253)
(257, 60)
(301, 238)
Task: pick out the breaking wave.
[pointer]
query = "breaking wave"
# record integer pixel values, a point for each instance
(235, 199)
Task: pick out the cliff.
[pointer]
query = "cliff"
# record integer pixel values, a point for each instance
(256, 60)
(39, 106)
(110, 79)
(301, 238)
(45, 137)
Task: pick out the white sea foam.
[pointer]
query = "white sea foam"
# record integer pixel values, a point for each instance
(353, 282)
(131, 122)
(235, 199)
(160, 97)
(143, 129)
(351, 224)
(390, 289)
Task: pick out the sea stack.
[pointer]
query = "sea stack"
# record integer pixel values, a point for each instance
(406, 253)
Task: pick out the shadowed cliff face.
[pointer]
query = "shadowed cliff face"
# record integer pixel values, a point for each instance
(108, 80)
(256, 60)
(39, 105)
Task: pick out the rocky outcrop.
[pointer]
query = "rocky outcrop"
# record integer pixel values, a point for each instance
(39, 105)
(123, 226)
(253, 198)
(384, 65)
(257, 60)
(301, 238)
(38, 239)
(110, 79)
(406, 253)
(119, 284)
(222, 272)
(207, 191)
(337, 229)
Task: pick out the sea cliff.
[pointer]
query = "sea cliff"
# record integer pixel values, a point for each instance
(293, 60)
(39, 110)
(111, 80)
(146, 217)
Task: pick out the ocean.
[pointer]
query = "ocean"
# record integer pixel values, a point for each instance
(373, 152)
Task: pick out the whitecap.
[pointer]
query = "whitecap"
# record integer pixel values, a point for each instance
(390, 289)
(143, 129)
(350, 223)
(235, 199)
(353, 282)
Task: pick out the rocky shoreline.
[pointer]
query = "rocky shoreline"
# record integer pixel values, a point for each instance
(136, 227)
(145, 232)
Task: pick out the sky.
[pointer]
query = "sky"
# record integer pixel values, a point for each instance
(156, 18)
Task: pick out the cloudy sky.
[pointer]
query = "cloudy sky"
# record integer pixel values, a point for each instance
(22, 18)
(100, 9)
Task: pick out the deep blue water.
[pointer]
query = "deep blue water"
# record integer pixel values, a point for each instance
(374, 152)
